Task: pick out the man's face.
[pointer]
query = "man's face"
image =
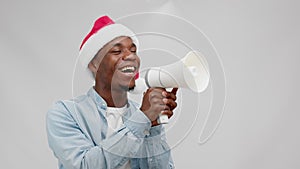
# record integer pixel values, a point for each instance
(118, 64)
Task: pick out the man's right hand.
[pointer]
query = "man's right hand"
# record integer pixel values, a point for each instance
(158, 101)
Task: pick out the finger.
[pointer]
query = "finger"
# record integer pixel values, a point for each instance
(165, 93)
(155, 89)
(170, 103)
(160, 107)
(155, 94)
(174, 90)
(172, 96)
(158, 89)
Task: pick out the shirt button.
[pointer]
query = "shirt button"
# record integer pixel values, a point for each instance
(146, 132)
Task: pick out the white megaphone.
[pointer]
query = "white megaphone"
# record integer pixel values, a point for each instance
(190, 72)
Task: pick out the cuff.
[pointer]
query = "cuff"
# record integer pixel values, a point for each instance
(139, 124)
(156, 130)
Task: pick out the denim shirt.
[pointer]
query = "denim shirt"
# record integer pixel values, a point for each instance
(77, 136)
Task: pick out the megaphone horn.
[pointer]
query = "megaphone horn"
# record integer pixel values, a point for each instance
(190, 72)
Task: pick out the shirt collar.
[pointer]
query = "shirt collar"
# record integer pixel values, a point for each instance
(100, 102)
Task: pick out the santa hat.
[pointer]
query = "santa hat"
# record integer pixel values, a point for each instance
(103, 31)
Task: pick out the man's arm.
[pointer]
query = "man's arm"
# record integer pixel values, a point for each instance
(157, 101)
(158, 150)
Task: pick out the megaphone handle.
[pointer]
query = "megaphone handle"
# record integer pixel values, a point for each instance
(163, 119)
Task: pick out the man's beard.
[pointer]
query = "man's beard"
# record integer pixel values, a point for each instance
(127, 88)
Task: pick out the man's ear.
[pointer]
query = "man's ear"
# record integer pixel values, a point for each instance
(93, 68)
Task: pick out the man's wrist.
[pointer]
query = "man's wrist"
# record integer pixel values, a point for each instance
(139, 124)
(156, 130)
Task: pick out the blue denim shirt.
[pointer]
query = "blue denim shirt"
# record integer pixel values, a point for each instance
(77, 135)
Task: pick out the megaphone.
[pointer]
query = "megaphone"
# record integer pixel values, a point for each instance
(190, 72)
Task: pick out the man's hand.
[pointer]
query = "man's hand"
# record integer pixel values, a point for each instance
(158, 101)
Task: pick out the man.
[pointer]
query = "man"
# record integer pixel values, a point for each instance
(104, 129)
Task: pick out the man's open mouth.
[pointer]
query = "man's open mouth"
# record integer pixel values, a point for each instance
(128, 69)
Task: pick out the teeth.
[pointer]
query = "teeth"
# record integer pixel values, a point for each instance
(128, 69)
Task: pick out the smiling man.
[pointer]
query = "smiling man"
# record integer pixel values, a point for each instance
(103, 128)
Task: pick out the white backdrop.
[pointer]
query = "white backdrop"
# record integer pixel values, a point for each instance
(258, 44)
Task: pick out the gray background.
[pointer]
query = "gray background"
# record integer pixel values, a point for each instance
(258, 43)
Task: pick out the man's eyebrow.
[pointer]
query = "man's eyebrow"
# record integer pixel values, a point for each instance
(120, 44)
(117, 45)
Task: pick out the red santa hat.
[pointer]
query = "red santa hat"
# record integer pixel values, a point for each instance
(103, 31)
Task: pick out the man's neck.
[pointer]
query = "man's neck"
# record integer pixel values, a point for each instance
(112, 97)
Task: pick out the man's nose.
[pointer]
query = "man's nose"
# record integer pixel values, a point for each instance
(128, 55)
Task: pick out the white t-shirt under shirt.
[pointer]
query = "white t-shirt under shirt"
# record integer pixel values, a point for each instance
(115, 121)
